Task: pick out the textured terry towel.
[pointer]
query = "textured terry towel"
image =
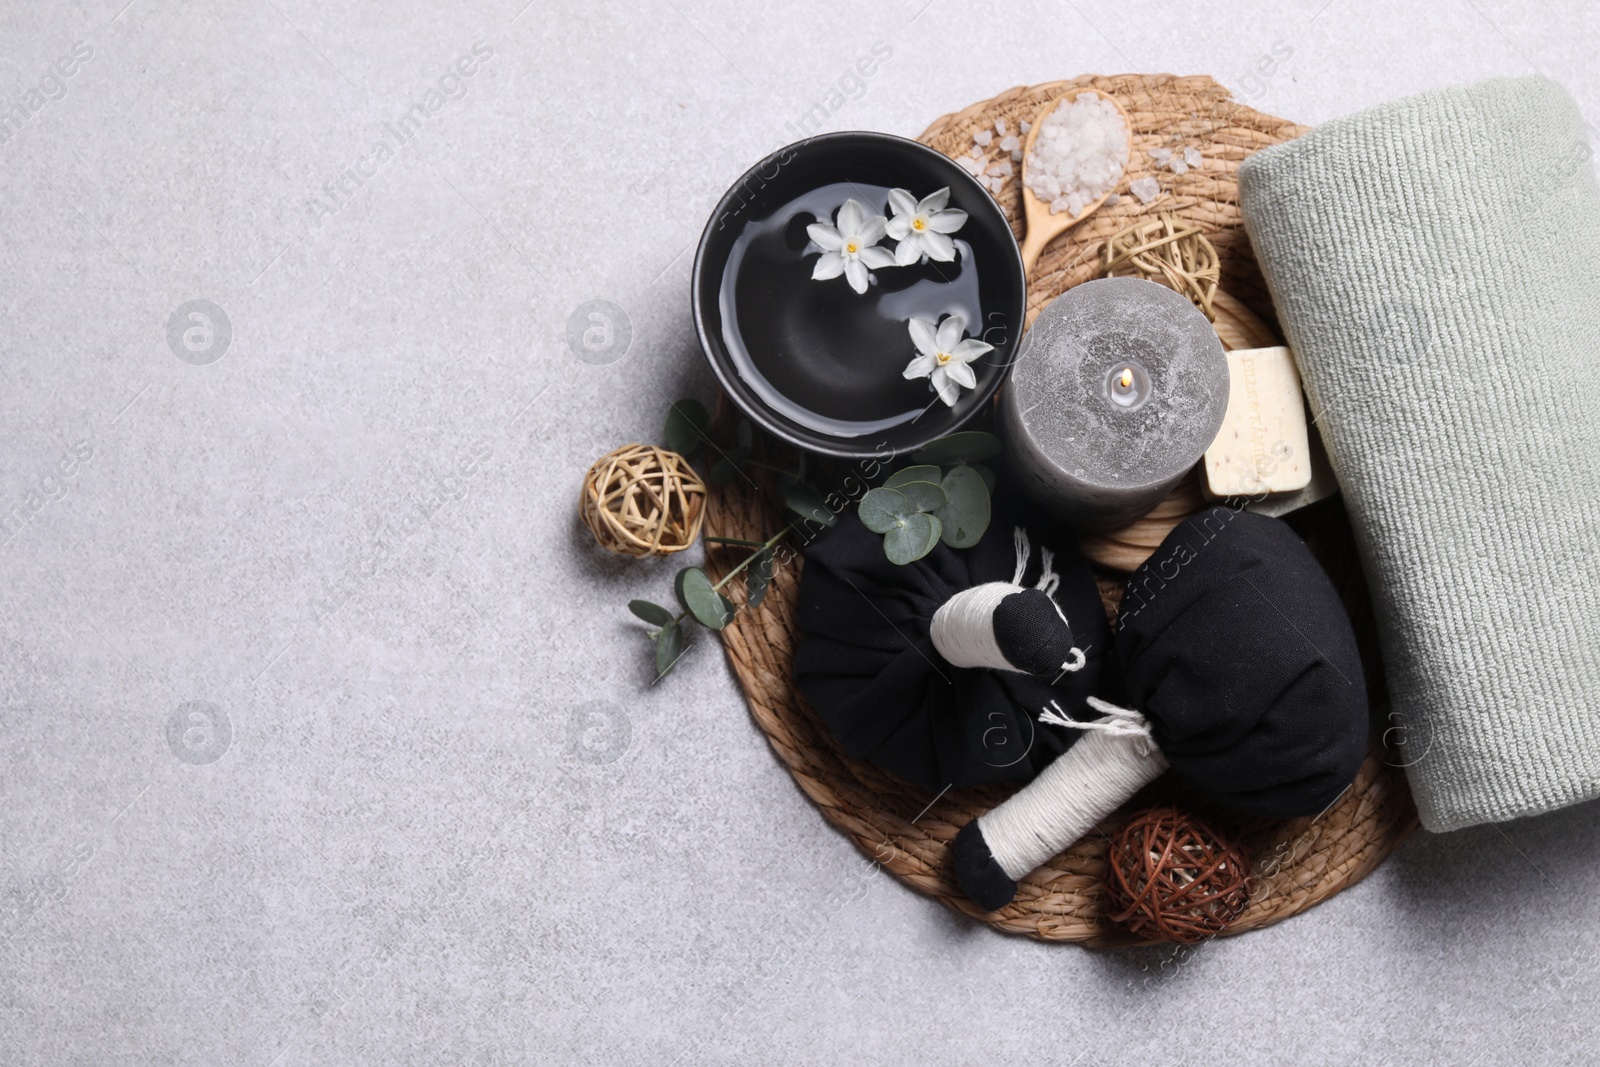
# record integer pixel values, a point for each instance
(1435, 263)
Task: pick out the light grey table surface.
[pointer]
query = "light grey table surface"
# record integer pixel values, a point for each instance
(398, 833)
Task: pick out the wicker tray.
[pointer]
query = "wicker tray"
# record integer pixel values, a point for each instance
(1297, 863)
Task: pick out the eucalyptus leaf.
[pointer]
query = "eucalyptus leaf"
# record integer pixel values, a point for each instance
(968, 446)
(654, 614)
(808, 502)
(730, 466)
(669, 646)
(758, 579)
(883, 510)
(677, 586)
(966, 515)
(687, 422)
(987, 474)
(926, 472)
(704, 602)
(912, 539)
(924, 496)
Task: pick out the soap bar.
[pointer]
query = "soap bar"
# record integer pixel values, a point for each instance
(1263, 445)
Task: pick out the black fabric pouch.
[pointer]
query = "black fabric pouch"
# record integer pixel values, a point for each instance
(868, 666)
(1234, 644)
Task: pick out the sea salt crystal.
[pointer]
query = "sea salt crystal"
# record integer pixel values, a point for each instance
(1161, 155)
(1027, 127)
(1113, 199)
(983, 137)
(1078, 154)
(970, 165)
(1178, 166)
(1010, 144)
(976, 153)
(1192, 157)
(1016, 155)
(1002, 168)
(1000, 126)
(1146, 189)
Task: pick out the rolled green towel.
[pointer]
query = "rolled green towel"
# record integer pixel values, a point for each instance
(1435, 263)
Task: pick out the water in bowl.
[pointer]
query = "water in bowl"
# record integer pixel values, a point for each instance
(819, 353)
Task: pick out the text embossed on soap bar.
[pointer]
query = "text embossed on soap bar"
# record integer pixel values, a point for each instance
(1262, 447)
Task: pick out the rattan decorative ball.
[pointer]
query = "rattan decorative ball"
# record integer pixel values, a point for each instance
(1169, 250)
(641, 500)
(1171, 877)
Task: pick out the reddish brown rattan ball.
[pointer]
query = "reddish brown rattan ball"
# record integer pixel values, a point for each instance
(641, 500)
(1173, 878)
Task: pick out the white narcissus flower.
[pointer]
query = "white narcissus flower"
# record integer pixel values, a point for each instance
(850, 247)
(943, 356)
(923, 227)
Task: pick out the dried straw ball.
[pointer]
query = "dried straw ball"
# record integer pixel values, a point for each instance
(1172, 878)
(1169, 250)
(641, 500)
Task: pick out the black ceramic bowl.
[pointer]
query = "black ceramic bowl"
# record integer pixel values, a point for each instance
(817, 364)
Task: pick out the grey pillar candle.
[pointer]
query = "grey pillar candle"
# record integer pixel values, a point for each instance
(1118, 389)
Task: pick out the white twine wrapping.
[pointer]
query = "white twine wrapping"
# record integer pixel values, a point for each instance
(1086, 783)
(963, 627)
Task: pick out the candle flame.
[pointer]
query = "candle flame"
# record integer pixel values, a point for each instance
(1126, 381)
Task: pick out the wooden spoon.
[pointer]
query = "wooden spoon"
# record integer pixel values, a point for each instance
(1042, 226)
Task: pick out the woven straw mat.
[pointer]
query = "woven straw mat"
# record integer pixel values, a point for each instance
(1296, 864)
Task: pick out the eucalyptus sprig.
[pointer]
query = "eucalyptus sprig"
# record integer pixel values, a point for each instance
(687, 433)
(704, 601)
(944, 496)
